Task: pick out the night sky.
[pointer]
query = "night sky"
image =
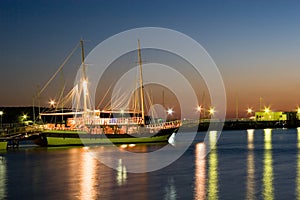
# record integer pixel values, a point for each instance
(255, 44)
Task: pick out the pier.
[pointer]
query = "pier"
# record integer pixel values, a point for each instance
(10, 138)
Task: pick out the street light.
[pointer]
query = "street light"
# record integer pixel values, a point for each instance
(267, 109)
(199, 108)
(267, 112)
(52, 103)
(24, 117)
(249, 111)
(1, 113)
(211, 111)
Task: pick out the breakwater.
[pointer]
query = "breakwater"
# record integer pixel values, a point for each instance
(239, 125)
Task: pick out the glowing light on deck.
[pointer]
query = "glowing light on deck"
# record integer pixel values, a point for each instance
(52, 102)
(170, 111)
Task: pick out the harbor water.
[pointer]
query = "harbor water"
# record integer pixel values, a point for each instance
(245, 164)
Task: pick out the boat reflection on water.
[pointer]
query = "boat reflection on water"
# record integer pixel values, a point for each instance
(250, 165)
(268, 189)
(200, 171)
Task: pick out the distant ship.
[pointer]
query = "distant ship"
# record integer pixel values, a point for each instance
(95, 127)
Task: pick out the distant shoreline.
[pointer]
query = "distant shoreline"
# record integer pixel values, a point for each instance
(11, 115)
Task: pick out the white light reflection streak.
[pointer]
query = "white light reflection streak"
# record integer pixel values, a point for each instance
(268, 191)
(88, 176)
(170, 190)
(213, 167)
(250, 166)
(200, 178)
(121, 174)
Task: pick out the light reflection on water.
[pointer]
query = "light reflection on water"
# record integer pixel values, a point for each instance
(212, 190)
(268, 192)
(88, 181)
(250, 166)
(200, 171)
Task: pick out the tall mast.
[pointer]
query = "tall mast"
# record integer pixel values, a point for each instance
(84, 81)
(141, 83)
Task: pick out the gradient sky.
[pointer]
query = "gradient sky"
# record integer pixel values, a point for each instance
(255, 44)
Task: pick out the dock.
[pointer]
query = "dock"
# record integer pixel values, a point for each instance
(10, 138)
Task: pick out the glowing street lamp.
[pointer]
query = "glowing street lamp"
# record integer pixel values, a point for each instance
(24, 117)
(211, 111)
(249, 111)
(1, 113)
(52, 103)
(199, 108)
(267, 109)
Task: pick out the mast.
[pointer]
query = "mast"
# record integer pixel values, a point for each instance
(141, 83)
(84, 81)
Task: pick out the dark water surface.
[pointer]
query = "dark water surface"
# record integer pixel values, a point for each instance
(253, 164)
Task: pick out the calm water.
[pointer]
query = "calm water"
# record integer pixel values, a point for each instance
(260, 164)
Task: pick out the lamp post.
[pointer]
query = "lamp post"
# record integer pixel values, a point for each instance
(1, 113)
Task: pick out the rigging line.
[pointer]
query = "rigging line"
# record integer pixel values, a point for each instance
(104, 96)
(62, 90)
(65, 100)
(59, 101)
(59, 69)
(151, 111)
